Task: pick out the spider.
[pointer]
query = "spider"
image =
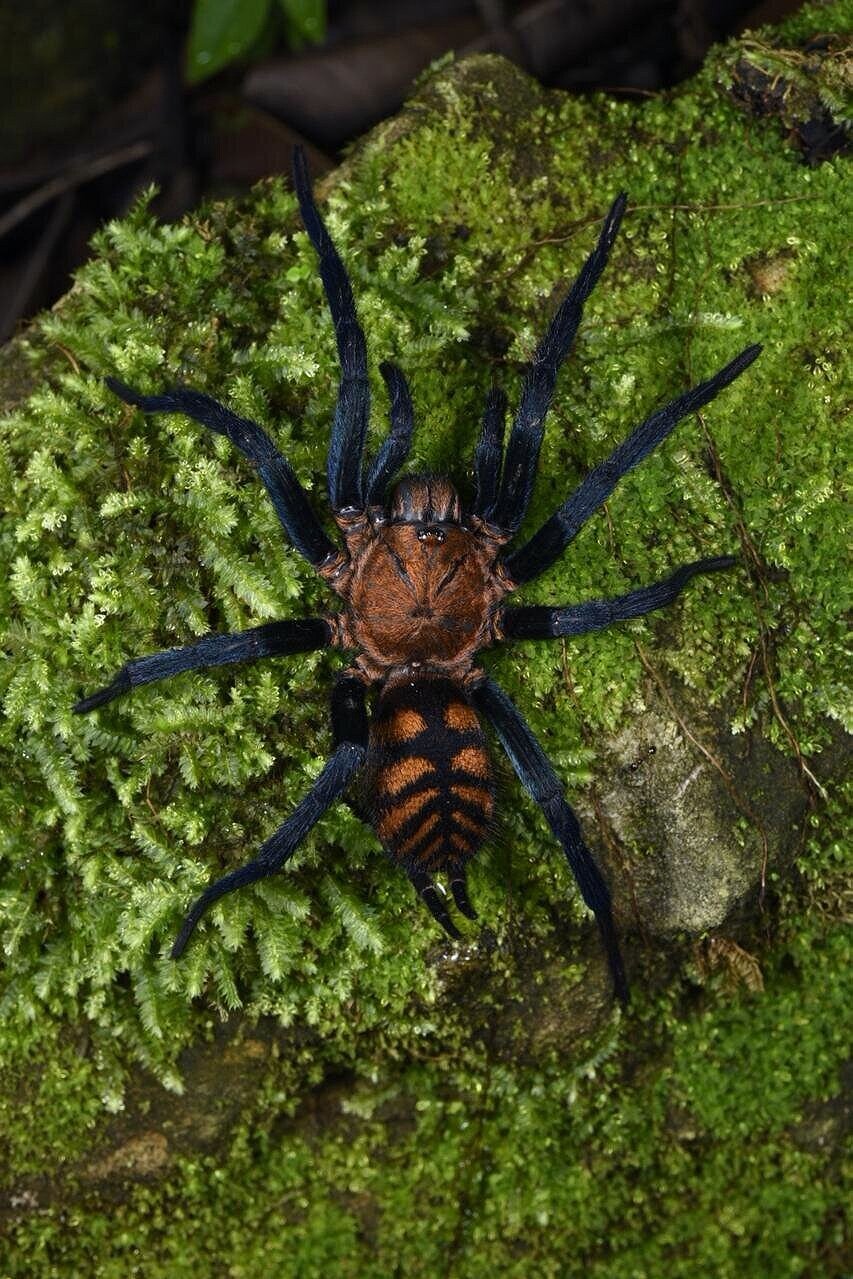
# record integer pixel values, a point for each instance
(422, 580)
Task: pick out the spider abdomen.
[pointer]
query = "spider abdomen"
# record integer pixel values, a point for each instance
(433, 792)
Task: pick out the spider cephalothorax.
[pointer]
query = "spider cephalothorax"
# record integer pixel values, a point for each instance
(422, 579)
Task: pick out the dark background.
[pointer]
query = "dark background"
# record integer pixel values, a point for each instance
(99, 102)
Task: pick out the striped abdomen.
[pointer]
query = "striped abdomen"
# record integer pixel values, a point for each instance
(433, 793)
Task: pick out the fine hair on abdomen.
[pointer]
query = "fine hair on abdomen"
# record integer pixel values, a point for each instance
(431, 780)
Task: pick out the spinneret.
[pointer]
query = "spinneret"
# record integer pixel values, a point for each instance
(422, 580)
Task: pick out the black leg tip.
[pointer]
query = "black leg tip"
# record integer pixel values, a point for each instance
(121, 684)
(123, 391)
(302, 187)
(612, 222)
(180, 943)
(193, 916)
(741, 362)
(100, 698)
(620, 981)
(188, 928)
(714, 564)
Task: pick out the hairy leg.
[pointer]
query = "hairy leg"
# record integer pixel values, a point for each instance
(346, 444)
(554, 536)
(349, 726)
(395, 449)
(273, 639)
(488, 455)
(288, 496)
(525, 440)
(538, 621)
(536, 775)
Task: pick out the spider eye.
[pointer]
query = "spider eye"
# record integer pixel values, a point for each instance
(431, 534)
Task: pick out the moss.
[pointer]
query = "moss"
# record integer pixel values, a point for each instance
(403, 1089)
(454, 1165)
(807, 86)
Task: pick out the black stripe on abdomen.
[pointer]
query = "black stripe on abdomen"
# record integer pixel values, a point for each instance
(433, 793)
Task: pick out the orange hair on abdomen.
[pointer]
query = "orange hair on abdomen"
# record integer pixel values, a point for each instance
(433, 791)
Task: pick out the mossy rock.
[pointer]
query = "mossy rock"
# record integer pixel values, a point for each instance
(322, 1085)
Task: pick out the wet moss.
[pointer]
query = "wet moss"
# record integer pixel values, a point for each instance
(440, 1111)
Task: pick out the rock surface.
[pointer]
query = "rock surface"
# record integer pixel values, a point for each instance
(323, 1086)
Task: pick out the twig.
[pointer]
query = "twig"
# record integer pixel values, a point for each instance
(759, 575)
(36, 265)
(85, 171)
(680, 208)
(748, 679)
(68, 355)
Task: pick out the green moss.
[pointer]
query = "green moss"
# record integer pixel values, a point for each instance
(706, 1164)
(469, 1131)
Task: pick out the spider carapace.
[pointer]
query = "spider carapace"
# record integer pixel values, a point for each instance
(422, 578)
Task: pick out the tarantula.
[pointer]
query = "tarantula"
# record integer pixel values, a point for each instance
(423, 581)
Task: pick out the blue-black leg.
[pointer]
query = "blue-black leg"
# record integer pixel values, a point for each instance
(537, 621)
(349, 726)
(346, 445)
(554, 536)
(522, 452)
(434, 902)
(273, 639)
(395, 449)
(541, 782)
(488, 455)
(288, 496)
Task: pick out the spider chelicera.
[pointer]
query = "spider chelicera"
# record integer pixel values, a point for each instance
(423, 579)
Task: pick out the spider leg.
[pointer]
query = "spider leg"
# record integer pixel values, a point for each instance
(395, 448)
(349, 725)
(432, 900)
(346, 445)
(288, 496)
(537, 621)
(554, 536)
(489, 452)
(540, 781)
(301, 635)
(522, 452)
